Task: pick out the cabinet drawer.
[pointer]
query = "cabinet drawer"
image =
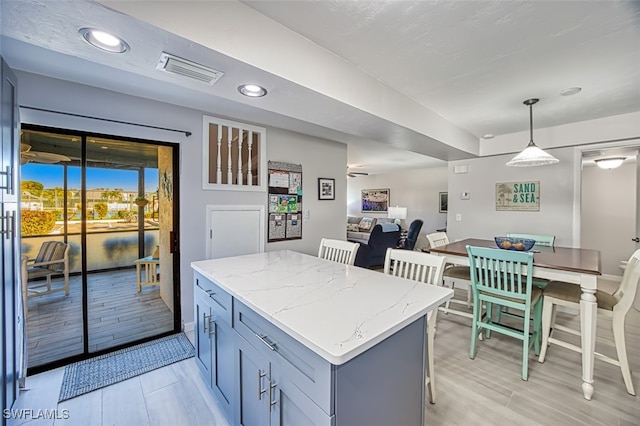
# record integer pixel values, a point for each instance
(303, 367)
(220, 299)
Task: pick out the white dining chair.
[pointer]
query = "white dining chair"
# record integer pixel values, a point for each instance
(338, 251)
(452, 274)
(614, 306)
(425, 268)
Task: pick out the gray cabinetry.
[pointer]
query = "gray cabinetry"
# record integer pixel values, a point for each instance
(262, 376)
(11, 316)
(293, 381)
(214, 341)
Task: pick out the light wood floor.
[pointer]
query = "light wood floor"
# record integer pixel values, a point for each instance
(484, 391)
(117, 314)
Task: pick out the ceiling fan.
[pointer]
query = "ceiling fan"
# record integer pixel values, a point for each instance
(356, 174)
(28, 156)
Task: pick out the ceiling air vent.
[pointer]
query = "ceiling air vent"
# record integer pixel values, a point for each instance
(174, 65)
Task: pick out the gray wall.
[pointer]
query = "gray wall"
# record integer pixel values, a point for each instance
(479, 216)
(418, 190)
(319, 158)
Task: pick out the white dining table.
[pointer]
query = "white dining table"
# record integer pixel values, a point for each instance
(572, 265)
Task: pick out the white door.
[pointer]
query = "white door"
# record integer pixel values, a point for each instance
(234, 230)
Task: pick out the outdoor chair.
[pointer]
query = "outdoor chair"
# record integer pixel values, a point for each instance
(52, 259)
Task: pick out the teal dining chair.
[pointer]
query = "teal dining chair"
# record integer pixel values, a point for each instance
(504, 278)
(541, 240)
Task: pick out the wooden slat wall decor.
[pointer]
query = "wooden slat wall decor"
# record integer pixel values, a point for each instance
(234, 156)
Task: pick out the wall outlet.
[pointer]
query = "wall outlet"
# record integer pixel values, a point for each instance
(458, 217)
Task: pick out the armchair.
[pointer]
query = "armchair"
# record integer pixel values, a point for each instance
(412, 234)
(53, 258)
(383, 236)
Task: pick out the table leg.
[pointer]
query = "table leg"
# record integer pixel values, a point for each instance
(588, 318)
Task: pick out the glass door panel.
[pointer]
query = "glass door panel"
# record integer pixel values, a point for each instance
(122, 235)
(50, 186)
(112, 202)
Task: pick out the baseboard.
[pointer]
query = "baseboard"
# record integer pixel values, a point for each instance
(188, 326)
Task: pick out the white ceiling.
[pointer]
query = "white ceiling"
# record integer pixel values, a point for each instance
(404, 84)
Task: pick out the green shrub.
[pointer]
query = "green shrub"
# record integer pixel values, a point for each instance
(101, 209)
(37, 222)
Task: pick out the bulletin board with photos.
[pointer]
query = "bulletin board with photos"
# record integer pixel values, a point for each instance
(285, 201)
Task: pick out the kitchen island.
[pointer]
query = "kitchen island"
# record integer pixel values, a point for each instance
(287, 338)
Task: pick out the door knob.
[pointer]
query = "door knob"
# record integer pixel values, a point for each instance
(636, 239)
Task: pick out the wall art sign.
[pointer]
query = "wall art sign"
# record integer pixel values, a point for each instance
(518, 196)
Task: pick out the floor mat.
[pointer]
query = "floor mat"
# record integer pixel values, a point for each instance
(104, 370)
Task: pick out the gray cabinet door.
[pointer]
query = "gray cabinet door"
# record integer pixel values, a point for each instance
(290, 406)
(222, 372)
(202, 315)
(252, 404)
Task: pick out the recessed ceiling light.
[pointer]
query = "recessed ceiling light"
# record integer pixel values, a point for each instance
(489, 136)
(571, 91)
(103, 40)
(252, 90)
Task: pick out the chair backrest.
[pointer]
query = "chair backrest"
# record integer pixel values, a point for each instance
(626, 292)
(541, 240)
(53, 250)
(414, 265)
(437, 239)
(338, 251)
(412, 234)
(499, 273)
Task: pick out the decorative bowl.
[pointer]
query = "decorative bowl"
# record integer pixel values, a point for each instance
(518, 244)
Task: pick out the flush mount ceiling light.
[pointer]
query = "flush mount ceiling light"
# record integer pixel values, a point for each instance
(532, 155)
(252, 90)
(103, 40)
(571, 91)
(610, 163)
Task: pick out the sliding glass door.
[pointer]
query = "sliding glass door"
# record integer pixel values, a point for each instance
(111, 200)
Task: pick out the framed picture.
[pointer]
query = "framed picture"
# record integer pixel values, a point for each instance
(444, 202)
(375, 200)
(326, 189)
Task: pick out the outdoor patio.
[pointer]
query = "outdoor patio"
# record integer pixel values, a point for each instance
(117, 314)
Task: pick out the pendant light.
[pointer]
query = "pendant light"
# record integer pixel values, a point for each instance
(532, 155)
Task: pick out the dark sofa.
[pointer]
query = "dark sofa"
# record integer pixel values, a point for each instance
(382, 237)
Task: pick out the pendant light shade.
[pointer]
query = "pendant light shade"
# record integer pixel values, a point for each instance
(532, 155)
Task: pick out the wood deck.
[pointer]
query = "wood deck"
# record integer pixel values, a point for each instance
(117, 314)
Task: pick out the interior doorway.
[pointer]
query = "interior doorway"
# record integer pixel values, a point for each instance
(609, 219)
(113, 202)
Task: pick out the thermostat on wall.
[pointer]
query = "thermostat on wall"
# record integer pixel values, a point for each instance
(465, 195)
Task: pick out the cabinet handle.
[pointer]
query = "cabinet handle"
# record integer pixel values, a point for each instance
(9, 185)
(210, 292)
(10, 227)
(260, 390)
(212, 324)
(264, 340)
(205, 321)
(272, 386)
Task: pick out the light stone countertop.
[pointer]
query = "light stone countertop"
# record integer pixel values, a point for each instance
(337, 311)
